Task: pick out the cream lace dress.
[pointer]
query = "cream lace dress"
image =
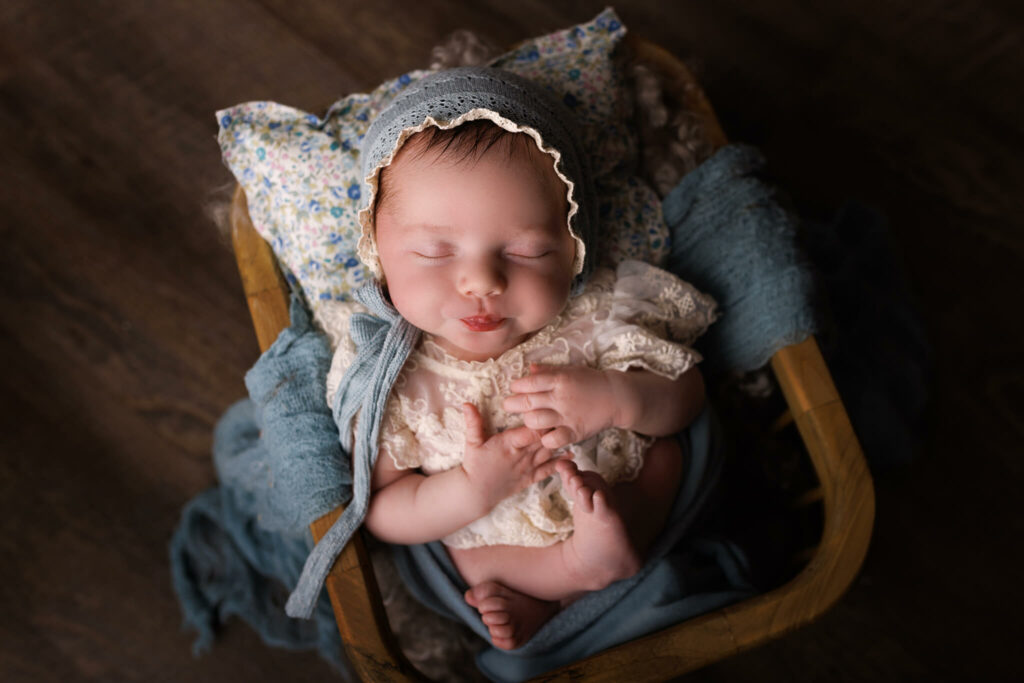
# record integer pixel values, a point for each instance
(637, 316)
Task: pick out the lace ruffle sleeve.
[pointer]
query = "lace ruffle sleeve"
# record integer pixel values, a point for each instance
(653, 319)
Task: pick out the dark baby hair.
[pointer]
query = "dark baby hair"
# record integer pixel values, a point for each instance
(465, 142)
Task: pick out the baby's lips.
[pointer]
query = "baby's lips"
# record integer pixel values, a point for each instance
(482, 323)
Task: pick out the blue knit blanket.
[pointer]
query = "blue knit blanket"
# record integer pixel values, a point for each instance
(241, 545)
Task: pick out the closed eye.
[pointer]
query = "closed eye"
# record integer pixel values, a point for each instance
(530, 255)
(432, 255)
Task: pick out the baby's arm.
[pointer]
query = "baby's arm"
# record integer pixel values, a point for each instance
(407, 507)
(572, 403)
(655, 405)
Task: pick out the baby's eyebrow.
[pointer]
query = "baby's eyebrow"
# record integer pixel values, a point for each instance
(432, 228)
(531, 240)
(536, 234)
(532, 234)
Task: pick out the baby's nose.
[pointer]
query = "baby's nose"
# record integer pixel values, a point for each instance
(482, 279)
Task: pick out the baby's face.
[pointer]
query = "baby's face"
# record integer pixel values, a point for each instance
(476, 252)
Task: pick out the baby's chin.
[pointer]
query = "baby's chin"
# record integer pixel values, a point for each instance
(481, 346)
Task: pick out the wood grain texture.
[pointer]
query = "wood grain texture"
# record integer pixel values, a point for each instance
(265, 289)
(126, 332)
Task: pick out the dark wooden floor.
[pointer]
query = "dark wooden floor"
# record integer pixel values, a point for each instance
(125, 332)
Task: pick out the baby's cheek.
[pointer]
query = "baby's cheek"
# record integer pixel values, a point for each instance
(548, 297)
(409, 294)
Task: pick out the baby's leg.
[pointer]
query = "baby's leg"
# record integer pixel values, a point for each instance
(614, 526)
(517, 589)
(598, 552)
(613, 530)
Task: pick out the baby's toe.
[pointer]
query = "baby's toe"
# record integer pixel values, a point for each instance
(496, 618)
(502, 631)
(573, 482)
(566, 468)
(504, 643)
(493, 603)
(583, 496)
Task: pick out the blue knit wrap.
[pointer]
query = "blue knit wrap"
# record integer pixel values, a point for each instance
(384, 340)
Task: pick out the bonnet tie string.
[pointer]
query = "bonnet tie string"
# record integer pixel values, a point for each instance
(384, 340)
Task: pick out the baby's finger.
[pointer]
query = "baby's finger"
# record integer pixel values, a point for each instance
(521, 403)
(544, 470)
(543, 455)
(475, 435)
(558, 438)
(543, 419)
(520, 437)
(534, 382)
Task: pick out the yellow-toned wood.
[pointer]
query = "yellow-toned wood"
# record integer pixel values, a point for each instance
(265, 288)
(845, 490)
(815, 388)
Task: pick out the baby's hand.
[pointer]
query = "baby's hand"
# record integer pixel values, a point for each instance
(569, 402)
(504, 463)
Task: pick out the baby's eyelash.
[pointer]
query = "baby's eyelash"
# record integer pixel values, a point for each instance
(530, 256)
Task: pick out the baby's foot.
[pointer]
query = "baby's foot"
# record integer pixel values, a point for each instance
(600, 549)
(511, 617)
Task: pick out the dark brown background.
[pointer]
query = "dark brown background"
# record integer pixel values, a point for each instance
(125, 334)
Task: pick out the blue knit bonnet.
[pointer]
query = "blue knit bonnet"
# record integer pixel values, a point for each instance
(452, 97)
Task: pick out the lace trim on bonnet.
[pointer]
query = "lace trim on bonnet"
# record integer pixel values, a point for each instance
(367, 246)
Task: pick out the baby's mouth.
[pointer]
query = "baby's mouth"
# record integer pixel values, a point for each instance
(482, 323)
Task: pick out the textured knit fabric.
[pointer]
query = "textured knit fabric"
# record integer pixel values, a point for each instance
(384, 340)
(731, 239)
(226, 562)
(300, 473)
